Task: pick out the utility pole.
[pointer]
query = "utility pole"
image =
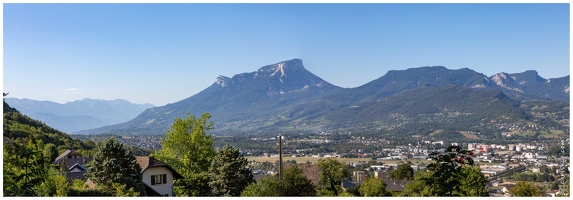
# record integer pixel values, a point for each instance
(280, 159)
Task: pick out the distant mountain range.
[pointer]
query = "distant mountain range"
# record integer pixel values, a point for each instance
(19, 127)
(285, 96)
(80, 114)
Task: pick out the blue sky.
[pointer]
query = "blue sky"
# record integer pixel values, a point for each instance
(163, 53)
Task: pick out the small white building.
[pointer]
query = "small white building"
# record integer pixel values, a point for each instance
(158, 177)
(471, 147)
(378, 167)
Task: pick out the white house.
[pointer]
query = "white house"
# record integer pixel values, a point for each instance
(158, 177)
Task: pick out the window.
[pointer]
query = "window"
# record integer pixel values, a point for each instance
(158, 179)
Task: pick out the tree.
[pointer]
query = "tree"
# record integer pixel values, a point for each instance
(353, 191)
(79, 188)
(189, 150)
(122, 191)
(402, 172)
(25, 169)
(55, 185)
(293, 162)
(446, 169)
(472, 182)
(62, 186)
(373, 187)
(90, 144)
(113, 164)
(295, 183)
(229, 173)
(417, 188)
(554, 186)
(525, 189)
(331, 175)
(50, 151)
(264, 187)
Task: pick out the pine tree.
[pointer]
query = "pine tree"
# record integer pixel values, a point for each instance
(113, 164)
(25, 169)
(295, 183)
(229, 173)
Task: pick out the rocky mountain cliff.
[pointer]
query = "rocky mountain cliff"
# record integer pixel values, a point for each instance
(284, 95)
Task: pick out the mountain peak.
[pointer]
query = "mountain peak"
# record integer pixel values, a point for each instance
(222, 80)
(280, 72)
(528, 77)
(501, 77)
(281, 67)
(506, 81)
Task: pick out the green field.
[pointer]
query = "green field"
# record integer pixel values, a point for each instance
(544, 133)
(468, 135)
(435, 132)
(553, 134)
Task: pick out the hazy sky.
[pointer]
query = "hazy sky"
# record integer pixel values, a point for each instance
(163, 53)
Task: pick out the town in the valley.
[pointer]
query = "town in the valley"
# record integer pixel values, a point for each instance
(503, 164)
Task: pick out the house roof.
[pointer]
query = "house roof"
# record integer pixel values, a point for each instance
(149, 191)
(258, 176)
(396, 185)
(348, 184)
(78, 165)
(148, 162)
(70, 162)
(64, 155)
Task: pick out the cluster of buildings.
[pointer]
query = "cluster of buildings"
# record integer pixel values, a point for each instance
(311, 172)
(158, 177)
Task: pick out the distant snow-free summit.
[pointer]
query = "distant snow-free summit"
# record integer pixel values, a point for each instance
(80, 114)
